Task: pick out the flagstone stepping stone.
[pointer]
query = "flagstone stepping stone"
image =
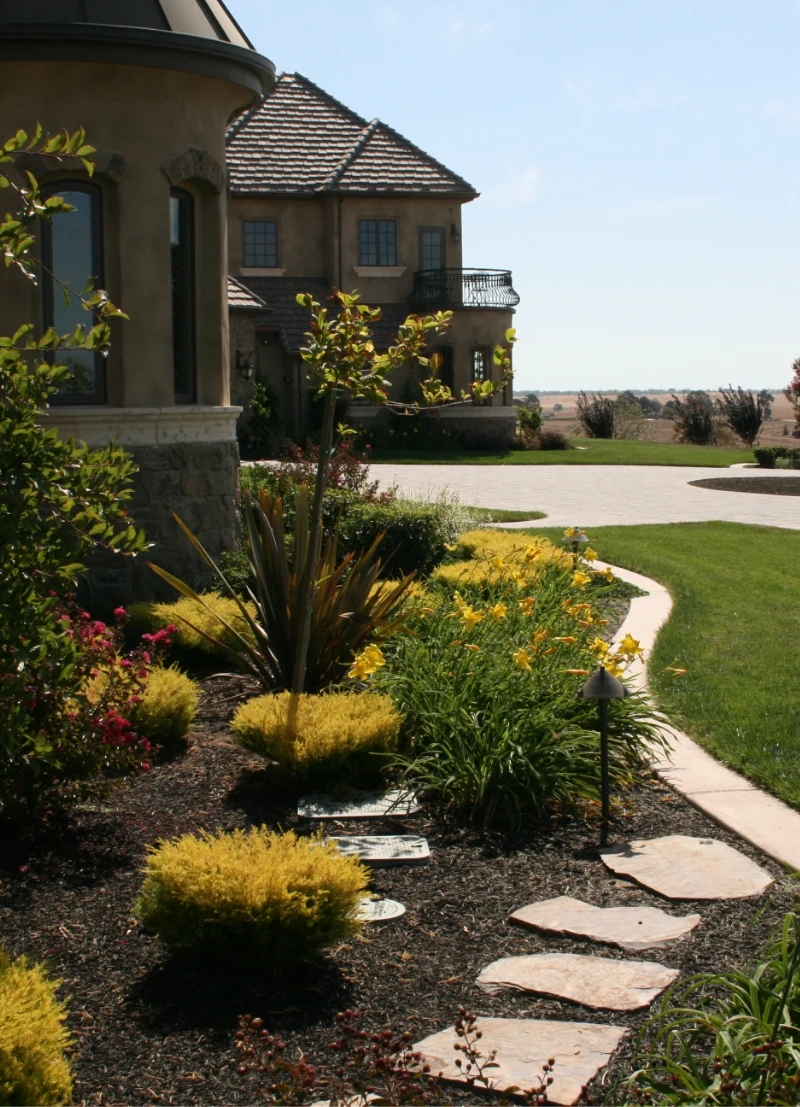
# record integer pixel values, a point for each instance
(680, 867)
(360, 805)
(580, 1050)
(371, 910)
(382, 850)
(593, 981)
(630, 928)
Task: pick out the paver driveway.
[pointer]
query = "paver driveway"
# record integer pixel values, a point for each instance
(600, 495)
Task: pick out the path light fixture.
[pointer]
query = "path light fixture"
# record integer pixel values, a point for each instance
(603, 686)
(575, 537)
(244, 363)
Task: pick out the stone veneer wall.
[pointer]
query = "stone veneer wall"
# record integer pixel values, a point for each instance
(478, 428)
(188, 461)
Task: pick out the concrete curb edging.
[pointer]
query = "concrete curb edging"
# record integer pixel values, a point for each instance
(735, 803)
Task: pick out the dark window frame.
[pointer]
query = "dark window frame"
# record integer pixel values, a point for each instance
(388, 260)
(260, 222)
(486, 375)
(49, 292)
(440, 231)
(184, 305)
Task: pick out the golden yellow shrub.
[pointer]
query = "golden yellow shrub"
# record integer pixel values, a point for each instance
(154, 616)
(316, 732)
(33, 1068)
(168, 705)
(257, 894)
(512, 547)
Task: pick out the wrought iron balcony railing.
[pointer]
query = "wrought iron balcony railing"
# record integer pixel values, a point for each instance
(463, 288)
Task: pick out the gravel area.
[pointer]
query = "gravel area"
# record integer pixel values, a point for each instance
(151, 1029)
(763, 486)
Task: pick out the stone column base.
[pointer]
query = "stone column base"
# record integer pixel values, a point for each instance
(188, 461)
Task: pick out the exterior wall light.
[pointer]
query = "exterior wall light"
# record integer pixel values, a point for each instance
(244, 363)
(603, 686)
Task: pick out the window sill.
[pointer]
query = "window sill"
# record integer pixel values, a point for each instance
(380, 270)
(250, 272)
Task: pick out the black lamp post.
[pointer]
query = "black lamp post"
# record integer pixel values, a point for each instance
(575, 539)
(602, 686)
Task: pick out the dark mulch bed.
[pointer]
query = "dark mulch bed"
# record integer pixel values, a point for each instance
(153, 1030)
(764, 486)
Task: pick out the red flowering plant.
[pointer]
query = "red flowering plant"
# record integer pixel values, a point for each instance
(84, 737)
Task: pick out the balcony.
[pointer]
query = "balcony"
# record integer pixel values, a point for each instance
(463, 288)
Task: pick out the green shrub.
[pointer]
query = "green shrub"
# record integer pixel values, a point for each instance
(553, 440)
(769, 456)
(167, 706)
(597, 415)
(193, 621)
(255, 895)
(731, 1038)
(694, 419)
(33, 1038)
(414, 534)
(487, 686)
(743, 412)
(317, 735)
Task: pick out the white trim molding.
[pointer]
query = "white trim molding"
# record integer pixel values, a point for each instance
(379, 270)
(144, 426)
(251, 272)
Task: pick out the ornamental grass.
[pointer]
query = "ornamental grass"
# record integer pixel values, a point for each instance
(167, 706)
(487, 685)
(193, 621)
(33, 1038)
(319, 735)
(255, 895)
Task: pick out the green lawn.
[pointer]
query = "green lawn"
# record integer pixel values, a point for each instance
(736, 627)
(501, 515)
(593, 451)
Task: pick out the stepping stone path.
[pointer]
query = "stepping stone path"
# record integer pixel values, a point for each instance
(580, 1050)
(360, 805)
(371, 910)
(382, 850)
(679, 867)
(593, 981)
(631, 928)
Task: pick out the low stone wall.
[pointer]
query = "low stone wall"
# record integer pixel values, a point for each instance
(188, 461)
(199, 482)
(478, 428)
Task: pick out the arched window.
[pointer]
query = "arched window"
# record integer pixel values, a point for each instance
(72, 254)
(181, 237)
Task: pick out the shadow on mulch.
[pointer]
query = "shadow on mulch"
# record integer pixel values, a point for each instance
(185, 992)
(54, 845)
(261, 799)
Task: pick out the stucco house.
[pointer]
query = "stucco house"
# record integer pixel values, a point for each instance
(320, 198)
(155, 83)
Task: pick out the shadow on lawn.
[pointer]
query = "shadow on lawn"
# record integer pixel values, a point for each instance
(185, 992)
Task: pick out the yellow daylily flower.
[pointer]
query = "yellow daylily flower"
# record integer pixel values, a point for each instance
(590, 554)
(450, 548)
(471, 646)
(565, 638)
(458, 601)
(674, 671)
(522, 659)
(527, 605)
(599, 647)
(629, 647)
(469, 617)
(498, 563)
(580, 580)
(541, 634)
(498, 612)
(366, 663)
(532, 552)
(574, 532)
(605, 573)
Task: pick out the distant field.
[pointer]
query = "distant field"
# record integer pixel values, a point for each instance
(589, 451)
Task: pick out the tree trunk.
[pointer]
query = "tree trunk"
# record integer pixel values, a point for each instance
(309, 571)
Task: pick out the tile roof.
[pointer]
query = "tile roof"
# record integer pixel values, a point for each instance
(278, 295)
(240, 298)
(299, 140)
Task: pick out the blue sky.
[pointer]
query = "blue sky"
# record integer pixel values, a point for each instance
(639, 164)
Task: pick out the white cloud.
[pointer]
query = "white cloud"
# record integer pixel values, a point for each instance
(520, 189)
